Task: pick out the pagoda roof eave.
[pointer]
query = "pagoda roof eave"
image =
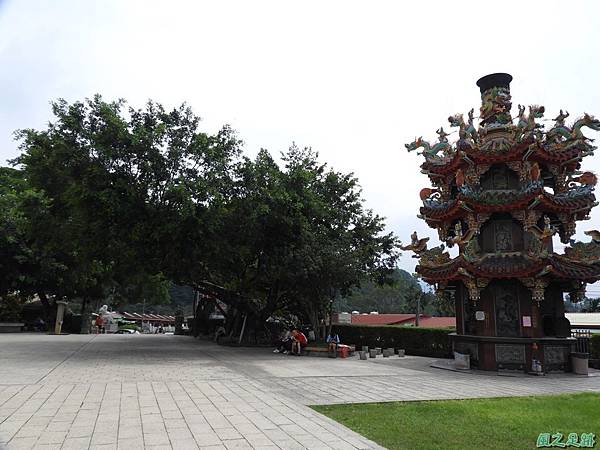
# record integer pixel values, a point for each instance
(538, 199)
(463, 158)
(511, 265)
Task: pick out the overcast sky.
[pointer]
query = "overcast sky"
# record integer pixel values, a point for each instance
(353, 80)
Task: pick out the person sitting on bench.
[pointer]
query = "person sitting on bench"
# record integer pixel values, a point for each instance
(299, 341)
(284, 344)
(333, 340)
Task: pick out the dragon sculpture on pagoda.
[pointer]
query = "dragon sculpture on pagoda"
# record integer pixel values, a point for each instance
(500, 193)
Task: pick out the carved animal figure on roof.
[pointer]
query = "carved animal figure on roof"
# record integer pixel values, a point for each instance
(434, 257)
(586, 252)
(416, 245)
(466, 131)
(496, 104)
(586, 179)
(428, 150)
(594, 234)
(574, 135)
(459, 238)
(535, 112)
(427, 193)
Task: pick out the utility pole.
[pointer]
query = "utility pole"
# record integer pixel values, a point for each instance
(143, 313)
(418, 310)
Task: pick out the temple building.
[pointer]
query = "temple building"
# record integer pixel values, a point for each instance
(500, 193)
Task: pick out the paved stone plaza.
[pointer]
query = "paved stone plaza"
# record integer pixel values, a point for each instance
(156, 391)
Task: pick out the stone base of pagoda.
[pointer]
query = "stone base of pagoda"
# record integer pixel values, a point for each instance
(506, 353)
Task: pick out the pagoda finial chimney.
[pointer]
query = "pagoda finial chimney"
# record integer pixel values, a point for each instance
(495, 99)
(498, 80)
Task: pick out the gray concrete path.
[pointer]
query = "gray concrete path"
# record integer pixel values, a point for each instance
(156, 391)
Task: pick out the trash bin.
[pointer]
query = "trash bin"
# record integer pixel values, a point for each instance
(344, 351)
(462, 361)
(579, 362)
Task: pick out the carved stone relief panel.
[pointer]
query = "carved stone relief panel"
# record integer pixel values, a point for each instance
(506, 303)
(510, 354)
(554, 354)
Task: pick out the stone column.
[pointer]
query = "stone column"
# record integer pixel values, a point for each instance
(60, 312)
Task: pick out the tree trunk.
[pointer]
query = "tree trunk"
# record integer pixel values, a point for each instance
(85, 317)
(330, 317)
(314, 319)
(48, 308)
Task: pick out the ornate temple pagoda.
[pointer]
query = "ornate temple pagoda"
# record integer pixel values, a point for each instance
(500, 193)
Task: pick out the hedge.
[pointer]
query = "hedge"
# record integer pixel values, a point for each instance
(595, 346)
(433, 342)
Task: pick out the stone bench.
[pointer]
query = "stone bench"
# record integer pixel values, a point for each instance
(11, 327)
(324, 351)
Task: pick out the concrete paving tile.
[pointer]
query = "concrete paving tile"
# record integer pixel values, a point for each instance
(78, 443)
(156, 439)
(130, 432)
(184, 444)
(22, 443)
(237, 444)
(130, 444)
(29, 431)
(52, 437)
(228, 433)
(216, 390)
(79, 432)
(103, 447)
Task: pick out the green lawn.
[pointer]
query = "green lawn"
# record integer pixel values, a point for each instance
(497, 423)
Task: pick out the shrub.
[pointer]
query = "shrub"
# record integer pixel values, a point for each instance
(595, 346)
(72, 323)
(432, 342)
(11, 308)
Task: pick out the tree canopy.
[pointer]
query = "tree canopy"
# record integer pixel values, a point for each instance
(399, 295)
(114, 202)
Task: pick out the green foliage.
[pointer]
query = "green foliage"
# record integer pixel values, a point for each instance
(432, 342)
(113, 203)
(11, 308)
(595, 346)
(498, 423)
(297, 236)
(128, 188)
(590, 305)
(398, 294)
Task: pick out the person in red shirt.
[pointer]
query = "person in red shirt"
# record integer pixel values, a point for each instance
(299, 341)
